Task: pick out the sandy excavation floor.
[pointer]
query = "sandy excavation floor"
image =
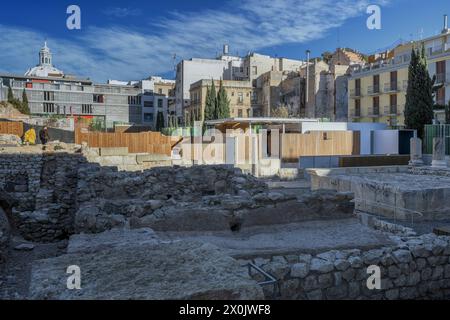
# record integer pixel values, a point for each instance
(309, 236)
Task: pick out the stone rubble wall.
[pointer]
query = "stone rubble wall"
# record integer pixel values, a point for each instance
(108, 198)
(414, 268)
(4, 235)
(43, 186)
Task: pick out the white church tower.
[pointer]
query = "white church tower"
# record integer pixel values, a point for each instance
(45, 67)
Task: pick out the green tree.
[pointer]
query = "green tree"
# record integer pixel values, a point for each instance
(280, 112)
(223, 104)
(159, 121)
(447, 113)
(419, 95)
(25, 107)
(211, 102)
(10, 95)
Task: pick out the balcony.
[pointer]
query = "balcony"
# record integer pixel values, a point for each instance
(355, 114)
(374, 112)
(391, 111)
(392, 86)
(373, 90)
(355, 93)
(442, 78)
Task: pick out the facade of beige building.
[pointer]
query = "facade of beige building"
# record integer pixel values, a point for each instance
(239, 94)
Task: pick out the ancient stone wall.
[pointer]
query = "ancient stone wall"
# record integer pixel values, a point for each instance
(415, 268)
(43, 187)
(108, 198)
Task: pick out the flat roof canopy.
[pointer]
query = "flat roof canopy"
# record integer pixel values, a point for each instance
(259, 121)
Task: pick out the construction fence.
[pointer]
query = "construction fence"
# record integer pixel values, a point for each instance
(143, 142)
(436, 131)
(11, 127)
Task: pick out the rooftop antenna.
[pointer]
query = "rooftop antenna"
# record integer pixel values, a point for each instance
(175, 64)
(339, 37)
(420, 33)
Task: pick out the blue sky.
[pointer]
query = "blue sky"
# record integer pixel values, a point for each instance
(134, 39)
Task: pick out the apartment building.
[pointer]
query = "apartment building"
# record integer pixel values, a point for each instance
(50, 92)
(327, 88)
(230, 68)
(378, 89)
(239, 94)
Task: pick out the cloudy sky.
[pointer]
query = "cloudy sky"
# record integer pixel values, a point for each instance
(134, 39)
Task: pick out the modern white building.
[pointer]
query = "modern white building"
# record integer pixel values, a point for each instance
(226, 67)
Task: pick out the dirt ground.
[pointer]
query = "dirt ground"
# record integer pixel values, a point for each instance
(15, 273)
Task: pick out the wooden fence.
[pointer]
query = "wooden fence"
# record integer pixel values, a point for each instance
(295, 145)
(143, 142)
(11, 127)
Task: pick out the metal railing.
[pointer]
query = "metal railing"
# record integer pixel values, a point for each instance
(374, 112)
(392, 86)
(375, 89)
(355, 92)
(269, 280)
(442, 78)
(355, 113)
(391, 111)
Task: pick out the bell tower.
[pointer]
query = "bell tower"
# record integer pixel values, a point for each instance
(45, 56)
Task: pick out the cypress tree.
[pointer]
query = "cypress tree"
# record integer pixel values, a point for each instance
(159, 121)
(211, 102)
(25, 107)
(419, 96)
(447, 113)
(10, 95)
(223, 104)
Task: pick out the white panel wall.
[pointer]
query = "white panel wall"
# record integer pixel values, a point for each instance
(365, 129)
(324, 126)
(385, 142)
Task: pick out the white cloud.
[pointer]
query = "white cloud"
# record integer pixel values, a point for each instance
(124, 53)
(122, 12)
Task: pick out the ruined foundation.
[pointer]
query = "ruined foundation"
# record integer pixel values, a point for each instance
(191, 233)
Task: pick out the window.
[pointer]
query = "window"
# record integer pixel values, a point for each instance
(440, 96)
(49, 108)
(148, 117)
(357, 108)
(148, 104)
(254, 70)
(376, 83)
(49, 96)
(98, 98)
(240, 97)
(232, 93)
(136, 100)
(357, 87)
(160, 103)
(240, 113)
(86, 109)
(254, 96)
(440, 71)
(394, 76)
(376, 105)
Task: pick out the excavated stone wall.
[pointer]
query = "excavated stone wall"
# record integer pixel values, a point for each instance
(415, 268)
(43, 188)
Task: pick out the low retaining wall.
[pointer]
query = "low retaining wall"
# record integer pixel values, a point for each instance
(337, 178)
(416, 268)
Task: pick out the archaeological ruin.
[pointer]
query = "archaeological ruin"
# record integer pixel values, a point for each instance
(214, 232)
